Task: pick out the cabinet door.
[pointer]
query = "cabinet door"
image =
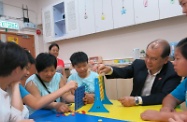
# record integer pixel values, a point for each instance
(86, 17)
(59, 20)
(111, 89)
(123, 13)
(169, 8)
(146, 10)
(103, 15)
(71, 18)
(124, 87)
(48, 28)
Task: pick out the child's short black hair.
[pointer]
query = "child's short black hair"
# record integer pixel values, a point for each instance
(30, 57)
(44, 60)
(78, 57)
(182, 46)
(12, 56)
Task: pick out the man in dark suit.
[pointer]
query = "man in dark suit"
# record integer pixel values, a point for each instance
(153, 78)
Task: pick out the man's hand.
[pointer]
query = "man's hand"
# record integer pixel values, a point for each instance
(102, 69)
(127, 101)
(88, 98)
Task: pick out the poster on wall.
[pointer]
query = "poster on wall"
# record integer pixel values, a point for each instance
(12, 39)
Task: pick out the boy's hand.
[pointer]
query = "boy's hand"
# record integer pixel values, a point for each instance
(62, 107)
(72, 85)
(88, 98)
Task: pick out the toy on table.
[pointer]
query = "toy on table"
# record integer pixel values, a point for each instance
(100, 96)
(79, 95)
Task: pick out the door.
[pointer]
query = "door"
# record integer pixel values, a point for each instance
(25, 41)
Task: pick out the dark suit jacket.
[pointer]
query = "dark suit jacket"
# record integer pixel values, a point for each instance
(164, 83)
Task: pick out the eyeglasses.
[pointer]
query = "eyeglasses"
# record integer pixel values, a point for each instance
(152, 59)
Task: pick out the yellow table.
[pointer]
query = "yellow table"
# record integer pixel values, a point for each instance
(117, 111)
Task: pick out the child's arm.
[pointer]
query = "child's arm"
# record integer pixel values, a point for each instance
(16, 100)
(18, 111)
(39, 102)
(169, 103)
(32, 88)
(26, 120)
(153, 115)
(67, 96)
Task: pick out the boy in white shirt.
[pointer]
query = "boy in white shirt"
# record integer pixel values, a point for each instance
(12, 68)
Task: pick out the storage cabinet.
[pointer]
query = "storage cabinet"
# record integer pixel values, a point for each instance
(124, 87)
(169, 8)
(146, 10)
(111, 88)
(123, 13)
(60, 21)
(103, 15)
(86, 17)
(72, 18)
(117, 88)
(48, 27)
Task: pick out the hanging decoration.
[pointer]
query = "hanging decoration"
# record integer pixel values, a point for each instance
(102, 14)
(123, 10)
(145, 3)
(172, 1)
(85, 10)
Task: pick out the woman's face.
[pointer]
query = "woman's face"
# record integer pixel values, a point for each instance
(54, 51)
(180, 63)
(47, 74)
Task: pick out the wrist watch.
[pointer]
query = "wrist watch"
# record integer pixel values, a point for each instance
(136, 101)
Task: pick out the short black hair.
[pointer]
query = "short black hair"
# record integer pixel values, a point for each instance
(30, 57)
(163, 43)
(44, 60)
(78, 57)
(12, 56)
(52, 45)
(182, 46)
